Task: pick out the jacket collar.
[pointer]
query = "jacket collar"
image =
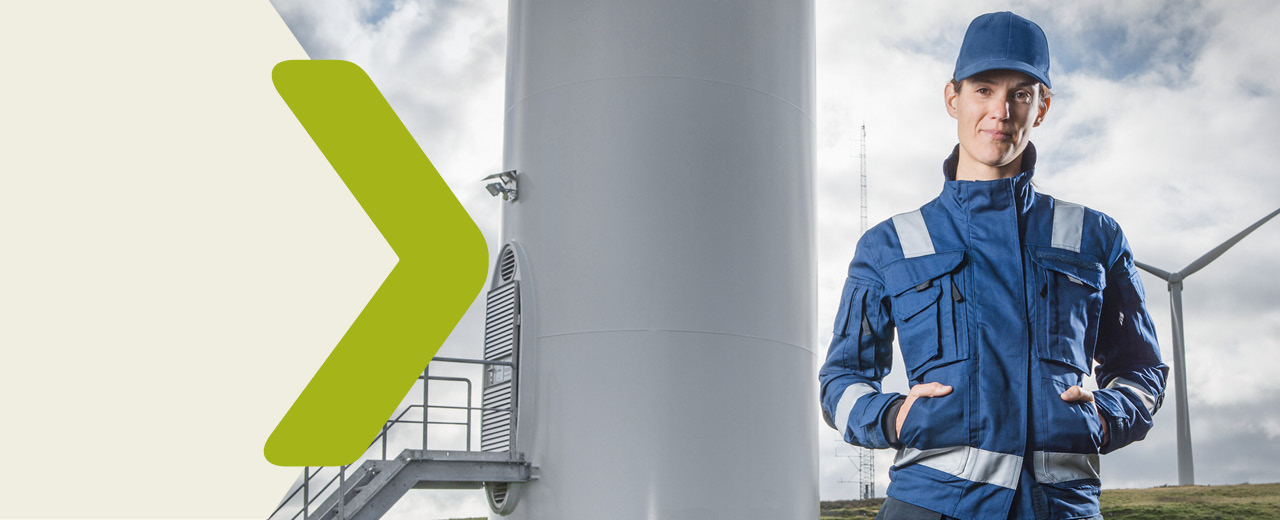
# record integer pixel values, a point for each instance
(967, 196)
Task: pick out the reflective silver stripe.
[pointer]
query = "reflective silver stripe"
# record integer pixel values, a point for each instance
(1068, 221)
(1148, 400)
(913, 234)
(972, 464)
(845, 406)
(1063, 467)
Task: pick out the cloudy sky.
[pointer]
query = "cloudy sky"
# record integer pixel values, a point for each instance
(1164, 117)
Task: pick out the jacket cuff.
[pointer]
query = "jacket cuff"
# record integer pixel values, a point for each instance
(1116, 410)
(866, 423)
(889, 422)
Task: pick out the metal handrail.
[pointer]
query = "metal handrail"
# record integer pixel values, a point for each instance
(309, 498)
(475, 361)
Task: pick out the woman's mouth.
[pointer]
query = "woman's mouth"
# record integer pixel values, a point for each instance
(996, 135)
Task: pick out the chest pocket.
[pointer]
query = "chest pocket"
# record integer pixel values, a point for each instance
(1070, 286)
(926, 299)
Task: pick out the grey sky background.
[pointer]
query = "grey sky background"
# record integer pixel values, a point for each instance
(1163, 116)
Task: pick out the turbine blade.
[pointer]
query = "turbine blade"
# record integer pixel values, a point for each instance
(1164, 275)
(1217, 251)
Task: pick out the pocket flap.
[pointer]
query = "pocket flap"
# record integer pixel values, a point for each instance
(1080, 268)
(909, 273)
(912, 302)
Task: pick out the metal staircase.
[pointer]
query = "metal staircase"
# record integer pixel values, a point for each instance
(370, 489)
(378, 484)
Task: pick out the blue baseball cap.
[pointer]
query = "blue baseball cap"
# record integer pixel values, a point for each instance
(1004, 41)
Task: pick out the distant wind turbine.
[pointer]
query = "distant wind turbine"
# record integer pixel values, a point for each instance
(1186, 472)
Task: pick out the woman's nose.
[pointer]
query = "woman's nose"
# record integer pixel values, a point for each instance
(1000, 111)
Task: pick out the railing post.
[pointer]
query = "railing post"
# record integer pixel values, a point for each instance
(306, 493)
(342, 493)
(426, 382)
(470, 412)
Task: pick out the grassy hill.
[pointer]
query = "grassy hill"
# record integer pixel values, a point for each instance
(1238, 502)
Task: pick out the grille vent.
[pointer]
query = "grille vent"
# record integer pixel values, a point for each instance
(501, 338)
(507, 265)
(498, 493)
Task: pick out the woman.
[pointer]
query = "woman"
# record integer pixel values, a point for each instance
(1003, 299)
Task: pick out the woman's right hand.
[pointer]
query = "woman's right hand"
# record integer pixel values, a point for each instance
(934, 389)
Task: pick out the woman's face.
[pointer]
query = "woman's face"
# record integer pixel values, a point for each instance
(995, 112)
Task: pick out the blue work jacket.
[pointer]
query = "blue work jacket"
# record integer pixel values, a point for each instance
(1010, 297)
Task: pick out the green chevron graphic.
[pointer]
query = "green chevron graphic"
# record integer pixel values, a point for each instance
(442, 265)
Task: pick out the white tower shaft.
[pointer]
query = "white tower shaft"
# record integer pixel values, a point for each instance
(1186, 465)
(665, 158)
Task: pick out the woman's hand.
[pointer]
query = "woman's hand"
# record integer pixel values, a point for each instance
(1075, 394)
(934, 389)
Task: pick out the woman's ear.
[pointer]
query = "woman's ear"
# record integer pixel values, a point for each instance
(1043, 109)
(949, 98)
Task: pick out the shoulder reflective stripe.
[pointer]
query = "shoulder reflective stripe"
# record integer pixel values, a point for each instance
(972, 464)
(1148, 400)
(913, 234)
(1064, 467)
(845, 406)
(1068, 222)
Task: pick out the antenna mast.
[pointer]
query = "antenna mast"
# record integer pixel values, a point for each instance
(863, 458)
(862, 159)
(866, 457)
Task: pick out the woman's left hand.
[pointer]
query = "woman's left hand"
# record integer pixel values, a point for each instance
(1076, 394)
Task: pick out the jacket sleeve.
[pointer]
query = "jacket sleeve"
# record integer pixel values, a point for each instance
(860, 355)
(1130, 374)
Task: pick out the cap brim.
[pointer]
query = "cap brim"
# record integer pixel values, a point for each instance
(1005, 64)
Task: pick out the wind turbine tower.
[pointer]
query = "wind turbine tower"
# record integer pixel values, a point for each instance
(1186, 471)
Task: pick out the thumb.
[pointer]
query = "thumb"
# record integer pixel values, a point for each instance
(1075, 393)
(934, 389)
